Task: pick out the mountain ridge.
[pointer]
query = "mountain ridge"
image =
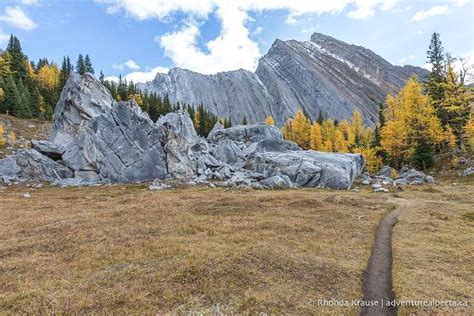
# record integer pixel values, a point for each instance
(322, 74)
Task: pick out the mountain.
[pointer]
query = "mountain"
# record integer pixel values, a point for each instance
(322, 74)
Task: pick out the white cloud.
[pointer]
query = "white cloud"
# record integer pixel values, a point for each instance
(141, 76)
(233, 48)
(423, 14)
(130, 64)
(16, 17)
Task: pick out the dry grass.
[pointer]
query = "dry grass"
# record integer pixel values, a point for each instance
(25, 131)
(123, 249)
(433, 248)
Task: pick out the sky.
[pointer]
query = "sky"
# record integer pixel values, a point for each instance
(138, 38)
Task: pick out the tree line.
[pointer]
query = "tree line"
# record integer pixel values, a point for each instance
(29, 89)
(423, 119)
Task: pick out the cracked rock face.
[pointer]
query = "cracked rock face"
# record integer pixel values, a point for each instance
(322, 74)
(96, 139)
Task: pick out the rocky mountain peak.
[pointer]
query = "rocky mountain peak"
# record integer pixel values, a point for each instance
(322, 74)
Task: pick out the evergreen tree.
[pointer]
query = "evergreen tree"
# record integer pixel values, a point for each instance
(88, 65)
(101, 77)
(18, 60)
(244, 121)
(433, 85)
(381, 115)
(81, 65)
(423, 156)
(12, 98)
(64, 74)
(22, 108)
(320, 118)
(35, 102)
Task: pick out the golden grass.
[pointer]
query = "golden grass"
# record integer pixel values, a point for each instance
(126, 249)
(433, 249)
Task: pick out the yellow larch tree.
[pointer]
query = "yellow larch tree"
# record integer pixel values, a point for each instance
(340, 144)
(270, 121)
(298, 130)
(48, 76)
(468, 138)
(2, 138)
(316, 138)
(410, 121)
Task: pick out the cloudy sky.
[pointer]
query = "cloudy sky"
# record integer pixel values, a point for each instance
(137, 38)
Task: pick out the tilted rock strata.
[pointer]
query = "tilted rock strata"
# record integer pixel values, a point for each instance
(322, 74)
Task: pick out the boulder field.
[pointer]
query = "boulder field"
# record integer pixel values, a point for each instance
(98, 140)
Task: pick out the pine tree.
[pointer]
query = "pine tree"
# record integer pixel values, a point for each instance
(88, 65)
(22, 108)
(80, 65)
(64, 74)
(244, 121)
(101, 77)
(18, 64)
(12, 98)
(436, 59)
(320, 118)
(423, 156)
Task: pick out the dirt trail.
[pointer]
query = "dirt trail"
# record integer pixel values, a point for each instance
(378, 276)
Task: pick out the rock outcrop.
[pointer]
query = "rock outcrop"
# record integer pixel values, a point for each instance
(96, 139)
(322, 74)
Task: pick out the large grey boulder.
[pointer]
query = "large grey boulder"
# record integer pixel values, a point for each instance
(121, 146)
(82, 99)
(37, 167)
(181, 144)
(310, 168)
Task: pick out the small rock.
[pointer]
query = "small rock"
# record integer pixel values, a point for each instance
(463, 160)
(376, 186)
(429, 179)
(26, 195)
(468, 172)
(381, 190)
(385, 171)
(159, 186)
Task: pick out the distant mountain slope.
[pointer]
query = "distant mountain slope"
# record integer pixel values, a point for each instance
(323, 74)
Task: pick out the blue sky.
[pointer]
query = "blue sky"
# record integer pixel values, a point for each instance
(137, 38)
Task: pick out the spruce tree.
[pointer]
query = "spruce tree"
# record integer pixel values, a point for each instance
(80, 65)
(244, 121)
(423, 156)
(320, 119)
(12, 98)
(434, 82)
(88, 65)
(18, 65)
(22, 108)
